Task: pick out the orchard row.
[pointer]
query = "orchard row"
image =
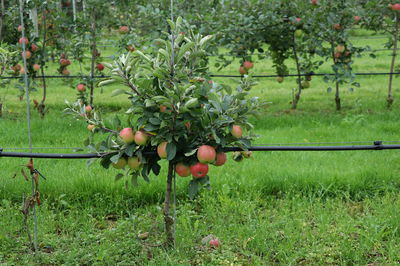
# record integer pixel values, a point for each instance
(310, 32)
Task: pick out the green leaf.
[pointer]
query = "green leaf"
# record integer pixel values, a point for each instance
(134, 180)
(190, 153)
(183, 50)
(155, 121)
(118, 177)
(91, 161)
(171, 151)
(115, 158)
(156, 168)
(106, 82)
(118, 92)
(130, 149)
(171, 24)
(205, 39)
(193, 188)
(145, 173)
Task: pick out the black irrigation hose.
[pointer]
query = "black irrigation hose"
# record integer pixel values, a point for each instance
(232, 76)
(296, 75)
(376, 146)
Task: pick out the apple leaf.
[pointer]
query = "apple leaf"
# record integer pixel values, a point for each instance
(171, 151)
(118, 177)
(193, 188)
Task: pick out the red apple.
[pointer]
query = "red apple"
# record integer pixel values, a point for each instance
(81, 87)
(19, 28)
(34, 47)
(65, 62)
(206, 154)
(22, 71)
(237, 131)
(126, 135)
(162, 150)
(36, 67)
(357, 19)
(182, 170)
(199, 170)
(88, 108)
(214, 243)
(314, 2)
(340, 48)
(23, 40)
(163, 108)
(130, 48)
(66, 72)
(17, 67)
(298, 20)
(134, 163)
(26, 54)
(242, 70)
(337, 26)
(123, 29)
(188, 125)
(91, 127)
(141, 137)
(247, 65)
(120, 164)
(338, 55)
(100, 67)
(396, 7)
(221, 159)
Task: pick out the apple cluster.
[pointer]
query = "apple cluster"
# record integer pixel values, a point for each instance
(29, 55)
(245, 67)
(205, 155)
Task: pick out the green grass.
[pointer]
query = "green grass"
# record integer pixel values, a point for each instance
(275, 208)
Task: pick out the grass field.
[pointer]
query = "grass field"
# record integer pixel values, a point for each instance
(275, 208)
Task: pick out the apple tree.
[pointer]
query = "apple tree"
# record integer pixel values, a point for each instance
(384, 15)
(336, 19)
(176, 114)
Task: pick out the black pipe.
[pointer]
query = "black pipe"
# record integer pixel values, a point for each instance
(377, 146)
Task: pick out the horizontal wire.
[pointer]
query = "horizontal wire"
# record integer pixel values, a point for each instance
(231, 76)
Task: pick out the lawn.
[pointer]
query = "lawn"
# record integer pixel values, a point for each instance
(275, 208)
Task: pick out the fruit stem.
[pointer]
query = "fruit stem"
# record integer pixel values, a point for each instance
(168, 219)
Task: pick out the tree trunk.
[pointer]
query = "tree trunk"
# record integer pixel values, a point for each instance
(168, 219)
(1, 109)
(337, 97)
(390, 95)
(296, 97)
(94, 55)
(1, 19)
